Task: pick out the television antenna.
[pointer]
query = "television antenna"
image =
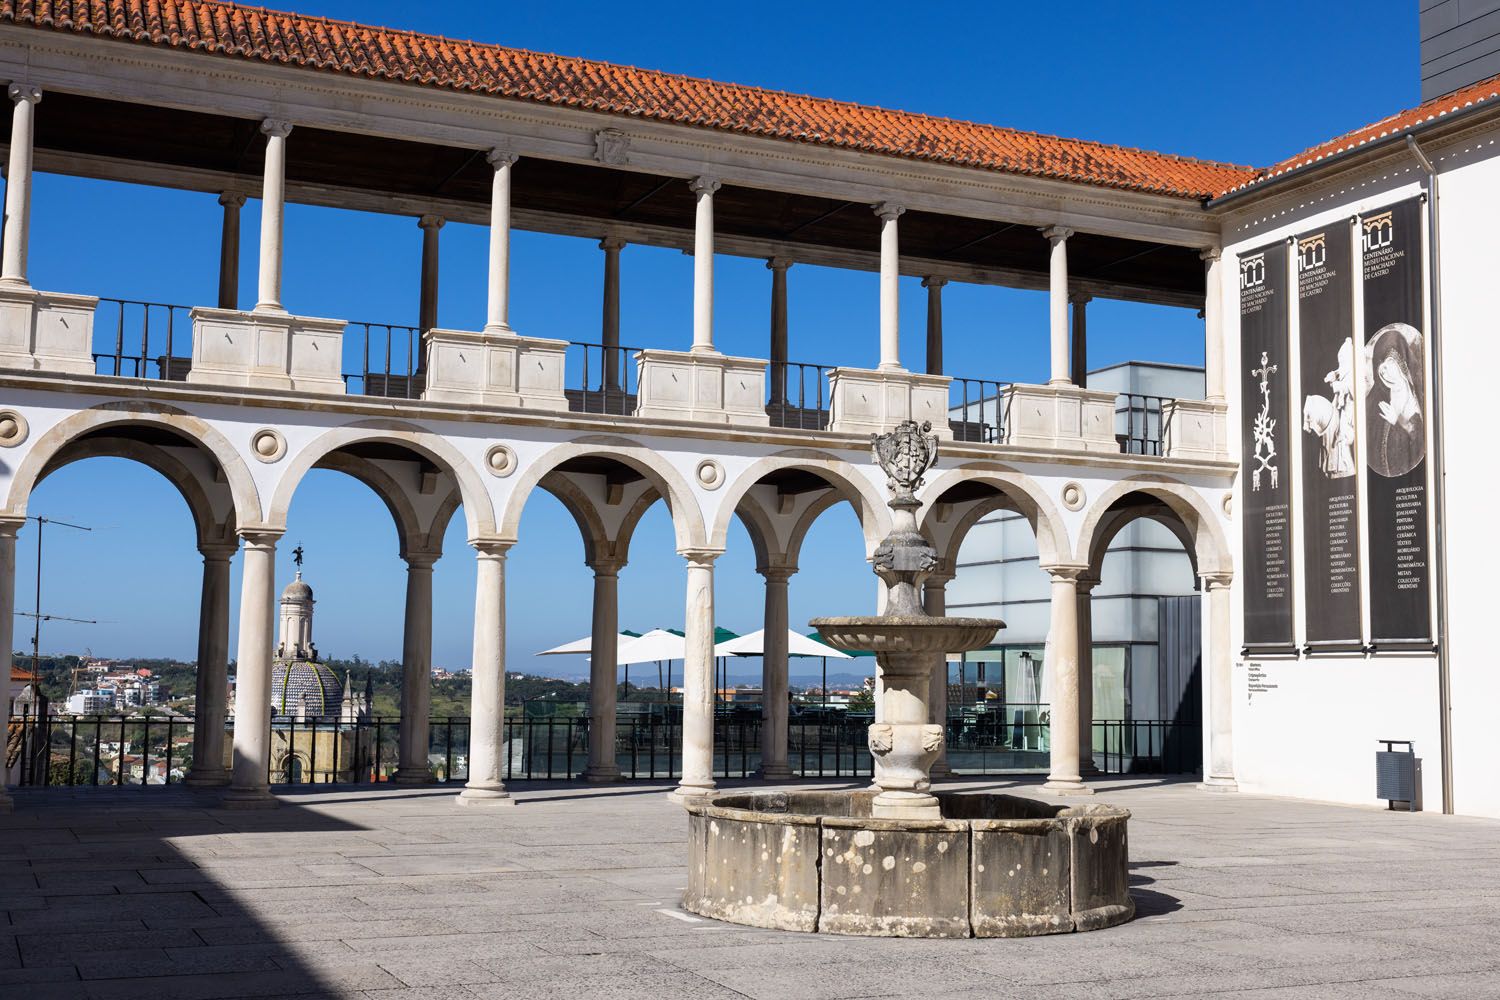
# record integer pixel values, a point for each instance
(36, 615)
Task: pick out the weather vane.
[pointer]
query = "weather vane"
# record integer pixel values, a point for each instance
(297, 555)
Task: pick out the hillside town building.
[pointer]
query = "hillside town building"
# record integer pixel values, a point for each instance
(1338, 544)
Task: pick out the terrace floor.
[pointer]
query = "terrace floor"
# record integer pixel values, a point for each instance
(394, 894)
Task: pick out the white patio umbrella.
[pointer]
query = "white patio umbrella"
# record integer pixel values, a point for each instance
(657, 644)
(584, 646)
(754, 644)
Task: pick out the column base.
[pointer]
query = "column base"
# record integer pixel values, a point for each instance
(683, 794)
(207, 777)
(247, 798)
(1212, 784)
(1064, 786)
(775, 772)
(485, 796)
(1088, 769)
(412, 776)
(602, 774)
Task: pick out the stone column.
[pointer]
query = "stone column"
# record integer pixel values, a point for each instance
(935, 603)
(272, 215)
(703, 264)
(9, 526)
(934, 288)
(211, 688)
(250, 786)
(498, 307)
(698, 679)
(1058, 237)
(1086, 765)
(427, 308)
(778, 267)
(229, 250)
(1213, 326)
(603, 662)
(1079, 361)
(416, 672)
(774, 682)
(24, 98)
(486, 786)
(890, 286)
(609, 327)
(1063, 639)
(1219, 772)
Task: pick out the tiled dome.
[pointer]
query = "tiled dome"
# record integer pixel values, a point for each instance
(304, 688)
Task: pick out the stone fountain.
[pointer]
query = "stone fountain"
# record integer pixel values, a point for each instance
(900, 860)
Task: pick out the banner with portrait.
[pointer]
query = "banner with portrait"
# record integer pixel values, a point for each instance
(1266, 483)
(1330, 471)
(1394, 376)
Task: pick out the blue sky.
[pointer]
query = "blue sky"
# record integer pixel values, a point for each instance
(1248, 83)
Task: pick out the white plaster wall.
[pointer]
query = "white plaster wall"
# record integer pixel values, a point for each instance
(1314, 732)
(1468, 215)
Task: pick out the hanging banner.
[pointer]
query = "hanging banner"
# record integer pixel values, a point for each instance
(1330, 473)
(1395, 431)
(1265, 485)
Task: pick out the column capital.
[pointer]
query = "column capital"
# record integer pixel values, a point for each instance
(889, 211)
(938, 581)
(494, 548)
(1066, 572)
(607, 567)
(263, 536)
(218, 551)
(1210, 254)
(1216, 581)
(499, 157)
(1080, 298)
(779, 263)
(700, 557)
(232, 199)
(778, 572)
(1056, 234)
(1087, 582)
(431, 222)
(934, 282)
(10, 524)
(704, 184)
(276, 128)
(612, 243)
(24, 92)
(421, 559)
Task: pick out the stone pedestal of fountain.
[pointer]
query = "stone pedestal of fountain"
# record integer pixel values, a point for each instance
(901, 861)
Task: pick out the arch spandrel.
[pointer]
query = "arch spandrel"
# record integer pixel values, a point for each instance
(845, 480)
(1210, 546)
(666, 481)
(1023, 494)
(145, 414)
(478, 510)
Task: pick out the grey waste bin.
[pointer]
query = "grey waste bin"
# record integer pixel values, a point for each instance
(1396, 774)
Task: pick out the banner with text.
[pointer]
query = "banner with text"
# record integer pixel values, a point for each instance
(1395, 431)
(1330, 474)
(1266, 441)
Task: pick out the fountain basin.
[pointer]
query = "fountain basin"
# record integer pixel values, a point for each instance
(992, 866)
(906, 633)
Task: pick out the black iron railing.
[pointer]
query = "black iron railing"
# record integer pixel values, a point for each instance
(1138, 423)
(976, 409)
(821, 743)
(600, 379)
(140, 339)
(384, 359)
(797, 395)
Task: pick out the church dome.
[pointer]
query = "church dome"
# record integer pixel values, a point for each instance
(304, 688)
(297, 590)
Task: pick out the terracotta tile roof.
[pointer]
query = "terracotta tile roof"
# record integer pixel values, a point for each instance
(1483, 92)
(211, 26)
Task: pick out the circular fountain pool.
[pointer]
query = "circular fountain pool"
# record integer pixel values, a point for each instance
(991, 866)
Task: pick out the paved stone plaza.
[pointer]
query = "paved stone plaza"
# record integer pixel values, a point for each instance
(394, 894)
